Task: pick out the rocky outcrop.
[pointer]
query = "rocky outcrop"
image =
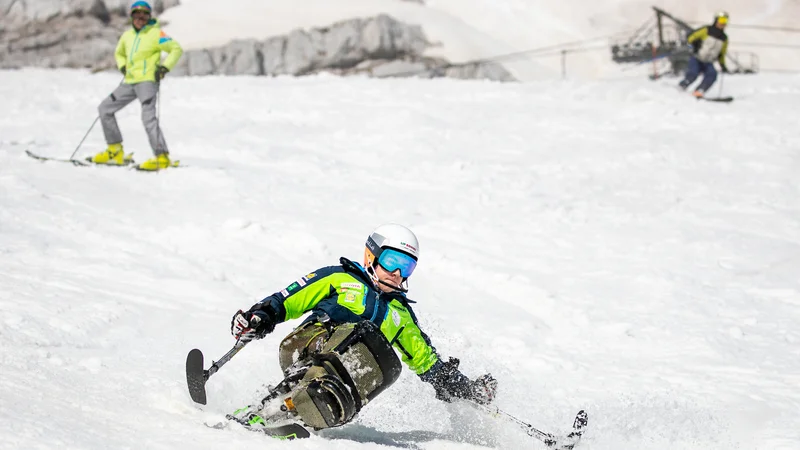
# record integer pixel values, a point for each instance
(17, 11)
(84, 33)
(379, 46)
(63, 33)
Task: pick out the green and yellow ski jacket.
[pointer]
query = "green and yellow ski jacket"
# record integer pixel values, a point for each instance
(139, 52)
(710, 44)
(346, 294)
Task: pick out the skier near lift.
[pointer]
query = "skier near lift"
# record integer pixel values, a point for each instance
(340, 357)
(709, 44)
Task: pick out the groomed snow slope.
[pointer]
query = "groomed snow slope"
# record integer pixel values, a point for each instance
(609, 246)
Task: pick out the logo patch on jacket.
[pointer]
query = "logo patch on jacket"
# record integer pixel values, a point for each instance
(396, 318)
(164, 38)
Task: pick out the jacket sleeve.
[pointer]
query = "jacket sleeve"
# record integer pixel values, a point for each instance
(173, 49)
(120, 55)
(416, 349)
(722, 53)
(304, 294)
(700, 34)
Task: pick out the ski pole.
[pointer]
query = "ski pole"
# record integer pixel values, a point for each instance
(530, 429)
(90, 129)
(196, 376)
(215, 366)
(84, 137)
(581, 421)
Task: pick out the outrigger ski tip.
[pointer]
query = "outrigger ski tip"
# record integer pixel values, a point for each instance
(196, 376)
(569, 441)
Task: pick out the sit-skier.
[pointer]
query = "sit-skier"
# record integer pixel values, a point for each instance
(341, 356)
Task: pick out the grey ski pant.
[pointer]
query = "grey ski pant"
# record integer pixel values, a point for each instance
(147, 93)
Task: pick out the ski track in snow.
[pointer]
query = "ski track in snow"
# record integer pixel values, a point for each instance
(608, 246)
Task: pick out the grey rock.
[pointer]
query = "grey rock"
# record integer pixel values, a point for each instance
(241, 58)
(479, 70)
(84, 33)
(272, 51)
(17, 11)
(120, 7)
(339, 48)
(300, 52)
(195, 62)
(64, 33)
(70, 41)
(399, 68)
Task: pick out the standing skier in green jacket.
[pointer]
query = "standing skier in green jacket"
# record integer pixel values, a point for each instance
(138, 57)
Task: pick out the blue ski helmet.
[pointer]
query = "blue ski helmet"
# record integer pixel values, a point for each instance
(141, 6)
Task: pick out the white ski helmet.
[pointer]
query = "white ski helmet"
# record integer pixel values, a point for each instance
(394, 247)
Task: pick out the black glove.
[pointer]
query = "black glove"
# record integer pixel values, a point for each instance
(123, 70)
(484, 389)
(253, 324)
(161, 72)
(724, 68)
(450, 383)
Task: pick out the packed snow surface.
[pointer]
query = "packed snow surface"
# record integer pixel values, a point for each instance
(617, 247)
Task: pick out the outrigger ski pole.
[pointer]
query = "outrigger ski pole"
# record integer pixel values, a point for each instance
(196, 376)
(556, 442)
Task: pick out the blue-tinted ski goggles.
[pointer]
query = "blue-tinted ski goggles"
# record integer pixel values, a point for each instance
(392, 260)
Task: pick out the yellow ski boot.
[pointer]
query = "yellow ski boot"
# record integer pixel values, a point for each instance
(159, 162)
(113, 155)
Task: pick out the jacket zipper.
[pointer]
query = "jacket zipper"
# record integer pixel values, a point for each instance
(375, 309)
(135, 47)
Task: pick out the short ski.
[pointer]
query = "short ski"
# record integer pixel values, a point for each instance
(286, 432)
(77, 162)
(172, 165)
(717, 99)
(289, 431)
